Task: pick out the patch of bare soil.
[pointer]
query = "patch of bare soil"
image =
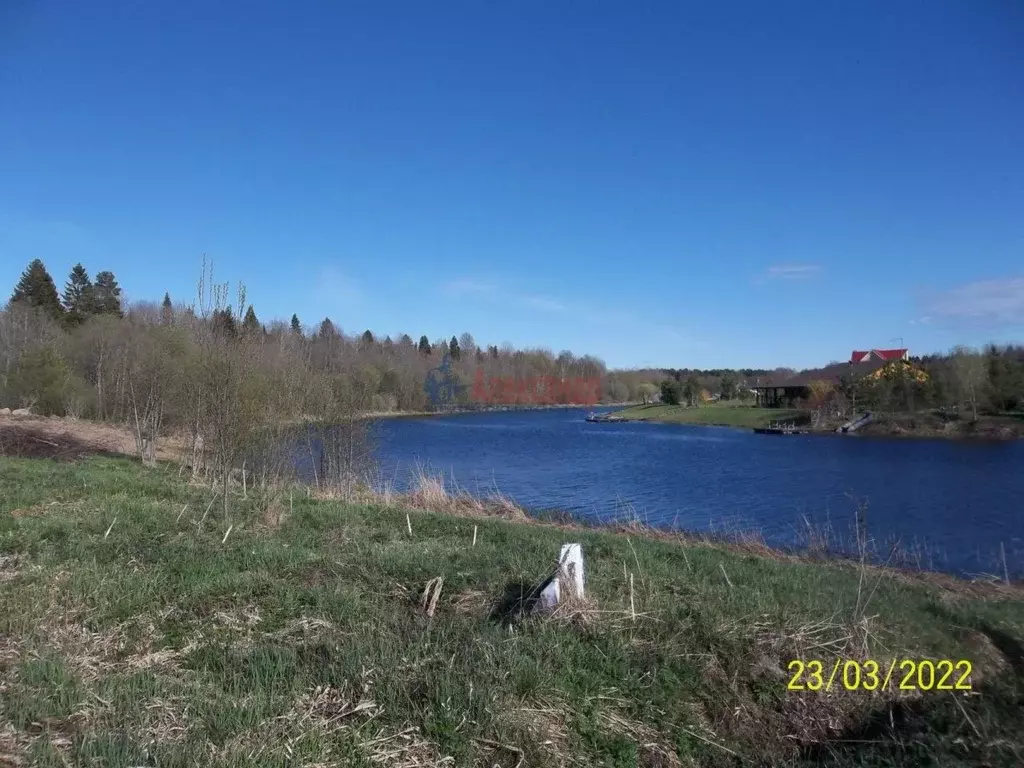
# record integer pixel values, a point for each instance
(36, 437)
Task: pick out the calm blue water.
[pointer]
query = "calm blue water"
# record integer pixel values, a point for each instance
(950, 504)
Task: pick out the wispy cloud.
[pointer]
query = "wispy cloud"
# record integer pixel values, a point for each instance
(338, 288)
(792, 271)
(500, 294)
(544, 303)
(983, 304)
(467, 286)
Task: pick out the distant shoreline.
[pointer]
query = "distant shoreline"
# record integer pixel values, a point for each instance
(489, 409)
(923, 425)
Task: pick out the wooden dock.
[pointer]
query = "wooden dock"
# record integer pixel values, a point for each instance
(781, 429)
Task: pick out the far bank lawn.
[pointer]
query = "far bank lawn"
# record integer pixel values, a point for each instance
(137, 631)
(721, 414)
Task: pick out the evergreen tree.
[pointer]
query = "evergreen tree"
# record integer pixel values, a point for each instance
(78, 296)
(37, 289)
(326, 329)
(388, 343)
(367, 339)
(493, 349)
(691, 389)
(671, 392)
(728, 385)
(107, 295)
(479, 355)
(406, 340)
(296, 325)
(224, 322)
(453, 349)
(250, 325)
(167, 310)
(424, 346)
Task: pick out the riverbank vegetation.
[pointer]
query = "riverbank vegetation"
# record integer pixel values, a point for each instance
(721, 414)
(136, 628)
(965, 393)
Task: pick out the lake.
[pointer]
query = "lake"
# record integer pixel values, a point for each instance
(950, 504)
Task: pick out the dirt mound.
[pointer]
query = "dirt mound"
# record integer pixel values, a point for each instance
(69, 439)
(27, 440)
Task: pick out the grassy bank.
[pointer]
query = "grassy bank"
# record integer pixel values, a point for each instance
(712, 414)
(138, 629)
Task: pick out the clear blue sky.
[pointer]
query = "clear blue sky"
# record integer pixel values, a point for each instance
(670, 184)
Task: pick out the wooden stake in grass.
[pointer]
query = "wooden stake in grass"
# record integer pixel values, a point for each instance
(408, 523)
(227, 533)
(474, 535)
(111, 527)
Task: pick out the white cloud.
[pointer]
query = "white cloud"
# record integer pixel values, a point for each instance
(984, 303)
(792, 271)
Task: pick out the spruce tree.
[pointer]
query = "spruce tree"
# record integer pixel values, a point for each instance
(167, 310)
(250, 324)
(453, 349)
(224, 322)
(296, 325)
(107, 295)
(37, 289)
(367, 338)
(424, 345)
(327, 329)
(79, 299)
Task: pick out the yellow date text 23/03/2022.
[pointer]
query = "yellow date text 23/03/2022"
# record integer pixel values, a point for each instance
(870, 675)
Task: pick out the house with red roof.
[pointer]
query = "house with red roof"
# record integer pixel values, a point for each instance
(784, 392)
(878, 354)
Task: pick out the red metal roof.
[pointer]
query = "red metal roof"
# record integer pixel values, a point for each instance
(885, 354)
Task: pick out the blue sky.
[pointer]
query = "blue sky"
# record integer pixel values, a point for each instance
(670, 184)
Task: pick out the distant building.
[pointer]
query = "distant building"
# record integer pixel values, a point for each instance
(878, 354)
(773, 392)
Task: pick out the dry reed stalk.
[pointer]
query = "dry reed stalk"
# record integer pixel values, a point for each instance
(632, 605)
(208, 508)
(431, 594)
(726, 575)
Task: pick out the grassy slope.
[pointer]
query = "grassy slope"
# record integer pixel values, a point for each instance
(726, 415)
(305, 643)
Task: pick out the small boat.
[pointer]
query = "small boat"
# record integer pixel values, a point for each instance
(780, 429)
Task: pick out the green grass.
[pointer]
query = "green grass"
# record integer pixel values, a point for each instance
(712, 414)
(161, 644)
